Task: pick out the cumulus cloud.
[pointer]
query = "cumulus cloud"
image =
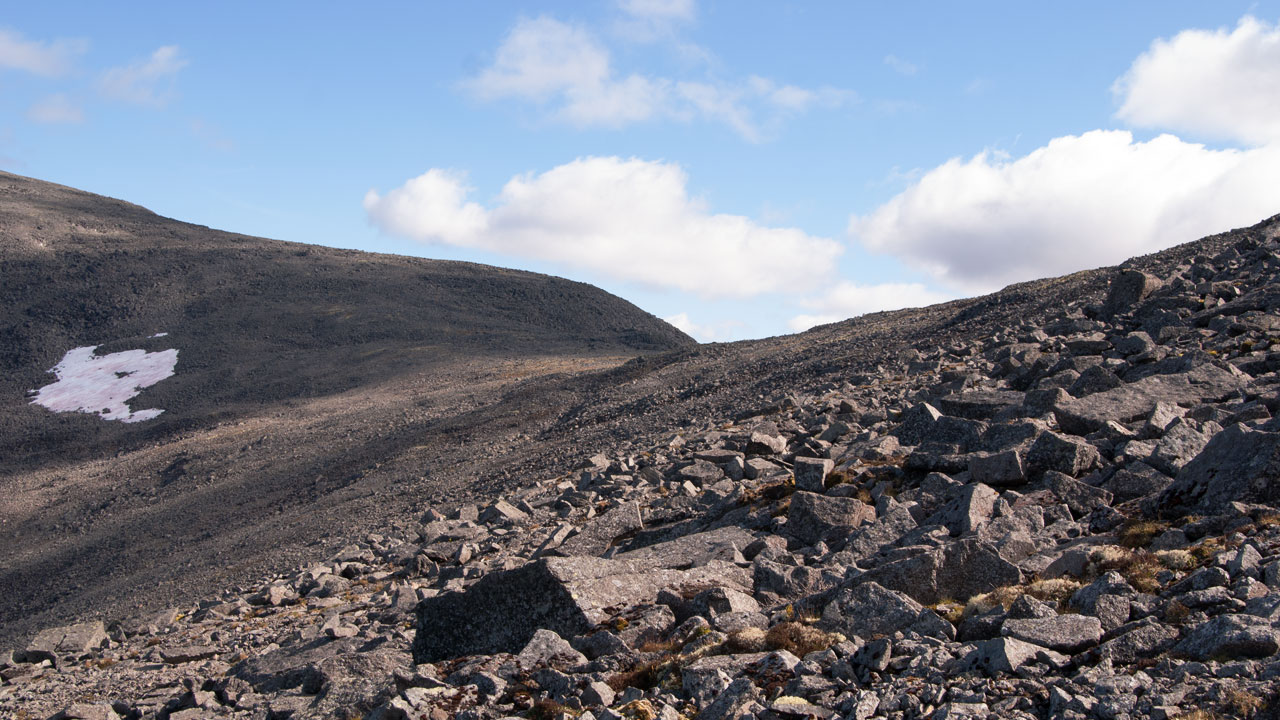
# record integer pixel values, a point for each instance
(565, 69)
(55, 109)
(848, 299)
(626, 219)
(40, 58)
(146, 82)
(1078, 202)
(1213, 83)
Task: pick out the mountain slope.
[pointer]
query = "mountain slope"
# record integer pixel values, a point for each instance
(297, 369)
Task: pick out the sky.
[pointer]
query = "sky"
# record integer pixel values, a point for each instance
(742, 169)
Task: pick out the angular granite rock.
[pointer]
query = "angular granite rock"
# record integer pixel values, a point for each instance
(1136, 400)
(1238, 465)
(502, 611)
(812, 516)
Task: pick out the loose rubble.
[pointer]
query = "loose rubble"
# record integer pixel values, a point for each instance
(1072, 519)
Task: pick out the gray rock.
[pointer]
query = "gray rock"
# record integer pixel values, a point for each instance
(813, 517)
(73, 641)
(600, 533)
(980, 404)
(868, 610)
(503, 511)
(971, 507)
(1081, 498)
(1237, 465)
(1002, 469)
(1134, 401)
(1065, 633)
(88, 711)
(1136, 480)
(1231, 636)
(1008, 655)
(762, 444)
(1143, 641)
(501, 611)
(1111, 583)
(1181, 442)
(958, 571)
(740, 695)
(1127, 289)
(1062, 453)
(546, 648)
(875, 655)
(811, 473)
(694, 550)
(917, 424)
(1094, 380)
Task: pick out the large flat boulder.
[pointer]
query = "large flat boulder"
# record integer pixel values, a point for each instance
(67, 641)
(1136, 400)
(569, 595)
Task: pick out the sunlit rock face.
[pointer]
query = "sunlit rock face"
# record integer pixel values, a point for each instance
(103, 384)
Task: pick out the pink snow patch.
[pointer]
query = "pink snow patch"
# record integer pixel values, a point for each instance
(102, 384)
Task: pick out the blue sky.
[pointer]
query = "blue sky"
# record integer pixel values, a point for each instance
(744, 169)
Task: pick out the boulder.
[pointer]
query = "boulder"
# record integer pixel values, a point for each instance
(867, 610)
(1064, 633)
(502, 611)
(969, 508)
(1136, 400)
(813, 517)
(600, 533)
(1002, 469)
(980, 404)
(1231, 636)
(1127, 289)
(916, 424)
(1238, 465)
(958, 571)
(73, 641)
(1062, 453)
(811, 473)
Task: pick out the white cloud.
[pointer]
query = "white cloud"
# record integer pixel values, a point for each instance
(1213, 83)
(848, 299)
(703, 332)
(146, 82)
(40, 58)
(899, 65)
(566, 69)
(1080, 201)
(54, 110)
(545, 60)
(658, 9)
(630, 220)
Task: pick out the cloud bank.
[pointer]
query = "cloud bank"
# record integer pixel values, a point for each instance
(627, 219)
(1212, 83)
(1081, 201)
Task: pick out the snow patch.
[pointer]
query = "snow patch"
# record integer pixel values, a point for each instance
(101, 384)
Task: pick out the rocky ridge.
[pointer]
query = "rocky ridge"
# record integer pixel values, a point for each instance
(1077, 517)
